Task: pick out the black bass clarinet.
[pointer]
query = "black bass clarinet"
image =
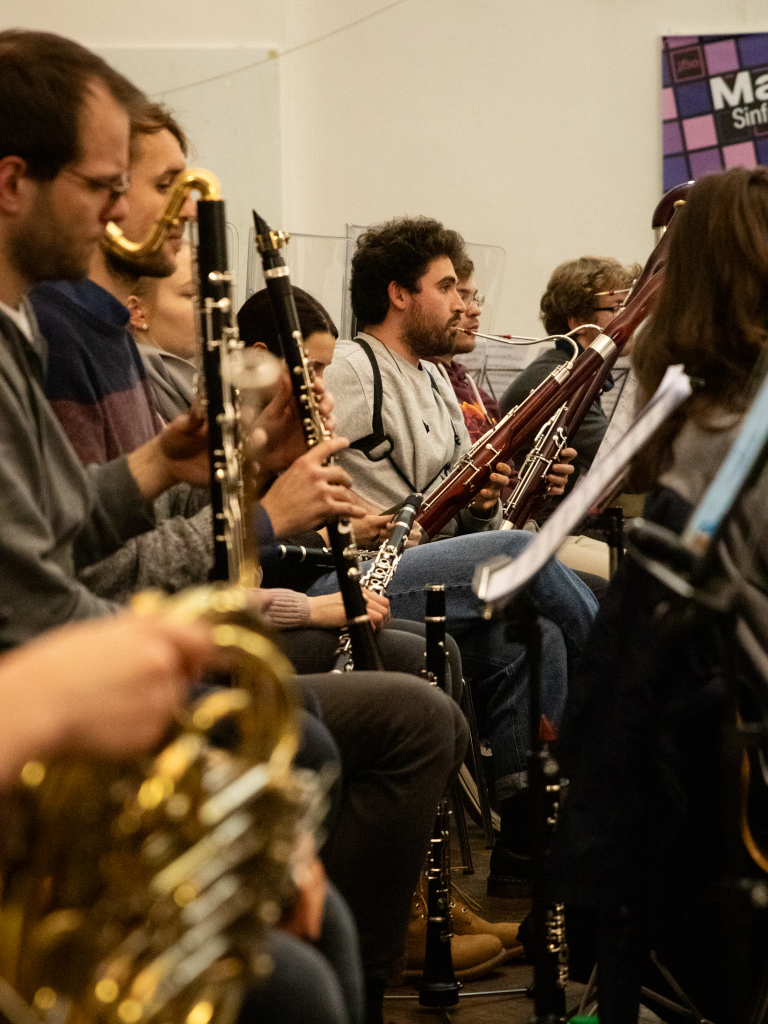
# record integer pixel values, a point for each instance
(217, 330)
(269, 243)
(232, 550)
(233, 560)
(384, 566)
(438, 985)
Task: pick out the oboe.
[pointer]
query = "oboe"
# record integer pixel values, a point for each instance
(378, 577)
(438, 985)
(340, 534)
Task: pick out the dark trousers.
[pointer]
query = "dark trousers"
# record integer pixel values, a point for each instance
(401, 743)
(401, 646)
(311, 984)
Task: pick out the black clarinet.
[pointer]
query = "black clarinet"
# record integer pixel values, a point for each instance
(269, 243)
(438, 985)
(296, 554)
(378, 577)
(233, 560)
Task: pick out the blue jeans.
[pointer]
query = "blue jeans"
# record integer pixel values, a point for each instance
(498, 665)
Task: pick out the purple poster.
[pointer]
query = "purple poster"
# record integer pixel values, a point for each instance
(714, 104)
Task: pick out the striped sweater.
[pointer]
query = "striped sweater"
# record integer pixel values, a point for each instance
(96, 381)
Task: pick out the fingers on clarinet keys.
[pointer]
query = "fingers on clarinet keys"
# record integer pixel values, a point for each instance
(473, 956)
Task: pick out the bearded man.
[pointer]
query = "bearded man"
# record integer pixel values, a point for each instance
(406, 431)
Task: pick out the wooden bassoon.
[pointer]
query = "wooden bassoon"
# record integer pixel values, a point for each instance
(576, 382)
(526, 498)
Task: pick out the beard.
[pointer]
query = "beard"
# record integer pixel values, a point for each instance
(427, 337)
(43, 249)
(157, 264)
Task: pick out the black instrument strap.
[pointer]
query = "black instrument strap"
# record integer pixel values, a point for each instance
(377, 437)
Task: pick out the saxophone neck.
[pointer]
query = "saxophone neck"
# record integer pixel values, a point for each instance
(195, 179)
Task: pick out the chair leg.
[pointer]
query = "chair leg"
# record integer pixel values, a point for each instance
(477, 767)
(460, 817)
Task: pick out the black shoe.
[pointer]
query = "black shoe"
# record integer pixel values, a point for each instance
(511, 873)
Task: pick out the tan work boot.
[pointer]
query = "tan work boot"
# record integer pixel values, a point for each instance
(473, 956)
(466, 922)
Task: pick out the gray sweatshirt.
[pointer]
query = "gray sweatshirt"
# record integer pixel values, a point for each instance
(419, 412)
(55, 516)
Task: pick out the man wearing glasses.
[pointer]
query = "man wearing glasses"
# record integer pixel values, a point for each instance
(480, 410)
(96, 381)
(64, 150)
(586, 293)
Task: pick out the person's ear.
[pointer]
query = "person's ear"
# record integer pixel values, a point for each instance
(15, 185)
(397, 295)
(574, 321)
(138, 321)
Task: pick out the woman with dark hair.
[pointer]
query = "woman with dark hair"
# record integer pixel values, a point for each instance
(640, 836)
(258, 326)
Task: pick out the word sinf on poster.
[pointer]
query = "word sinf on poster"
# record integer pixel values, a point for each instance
(743, 91)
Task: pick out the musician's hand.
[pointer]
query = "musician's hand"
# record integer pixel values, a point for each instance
(326, 611)
(377, 608)
(308, 492)
(178, 453)
(282, 440)
(560, 471)
(490, 494)
(415, 537)
(108, 687)
(371, 529)
(305, 918)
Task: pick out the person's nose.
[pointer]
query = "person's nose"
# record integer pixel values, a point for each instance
(188, 210)
(115, 211)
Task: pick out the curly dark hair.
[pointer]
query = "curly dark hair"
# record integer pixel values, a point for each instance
(400, 250)
(572, 288)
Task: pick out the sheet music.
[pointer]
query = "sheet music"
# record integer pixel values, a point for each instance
(622, 417)
(496, 584)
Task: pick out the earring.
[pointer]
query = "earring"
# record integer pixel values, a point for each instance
(143, 327)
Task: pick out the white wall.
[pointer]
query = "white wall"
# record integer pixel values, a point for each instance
(528, 124)
(99, 23)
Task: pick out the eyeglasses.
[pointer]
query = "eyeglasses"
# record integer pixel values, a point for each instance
(115, 187)
(606, 309)
(472, 300)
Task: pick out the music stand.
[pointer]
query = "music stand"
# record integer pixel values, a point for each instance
(501, 583)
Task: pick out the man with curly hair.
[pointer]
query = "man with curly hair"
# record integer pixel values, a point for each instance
(406, 431)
